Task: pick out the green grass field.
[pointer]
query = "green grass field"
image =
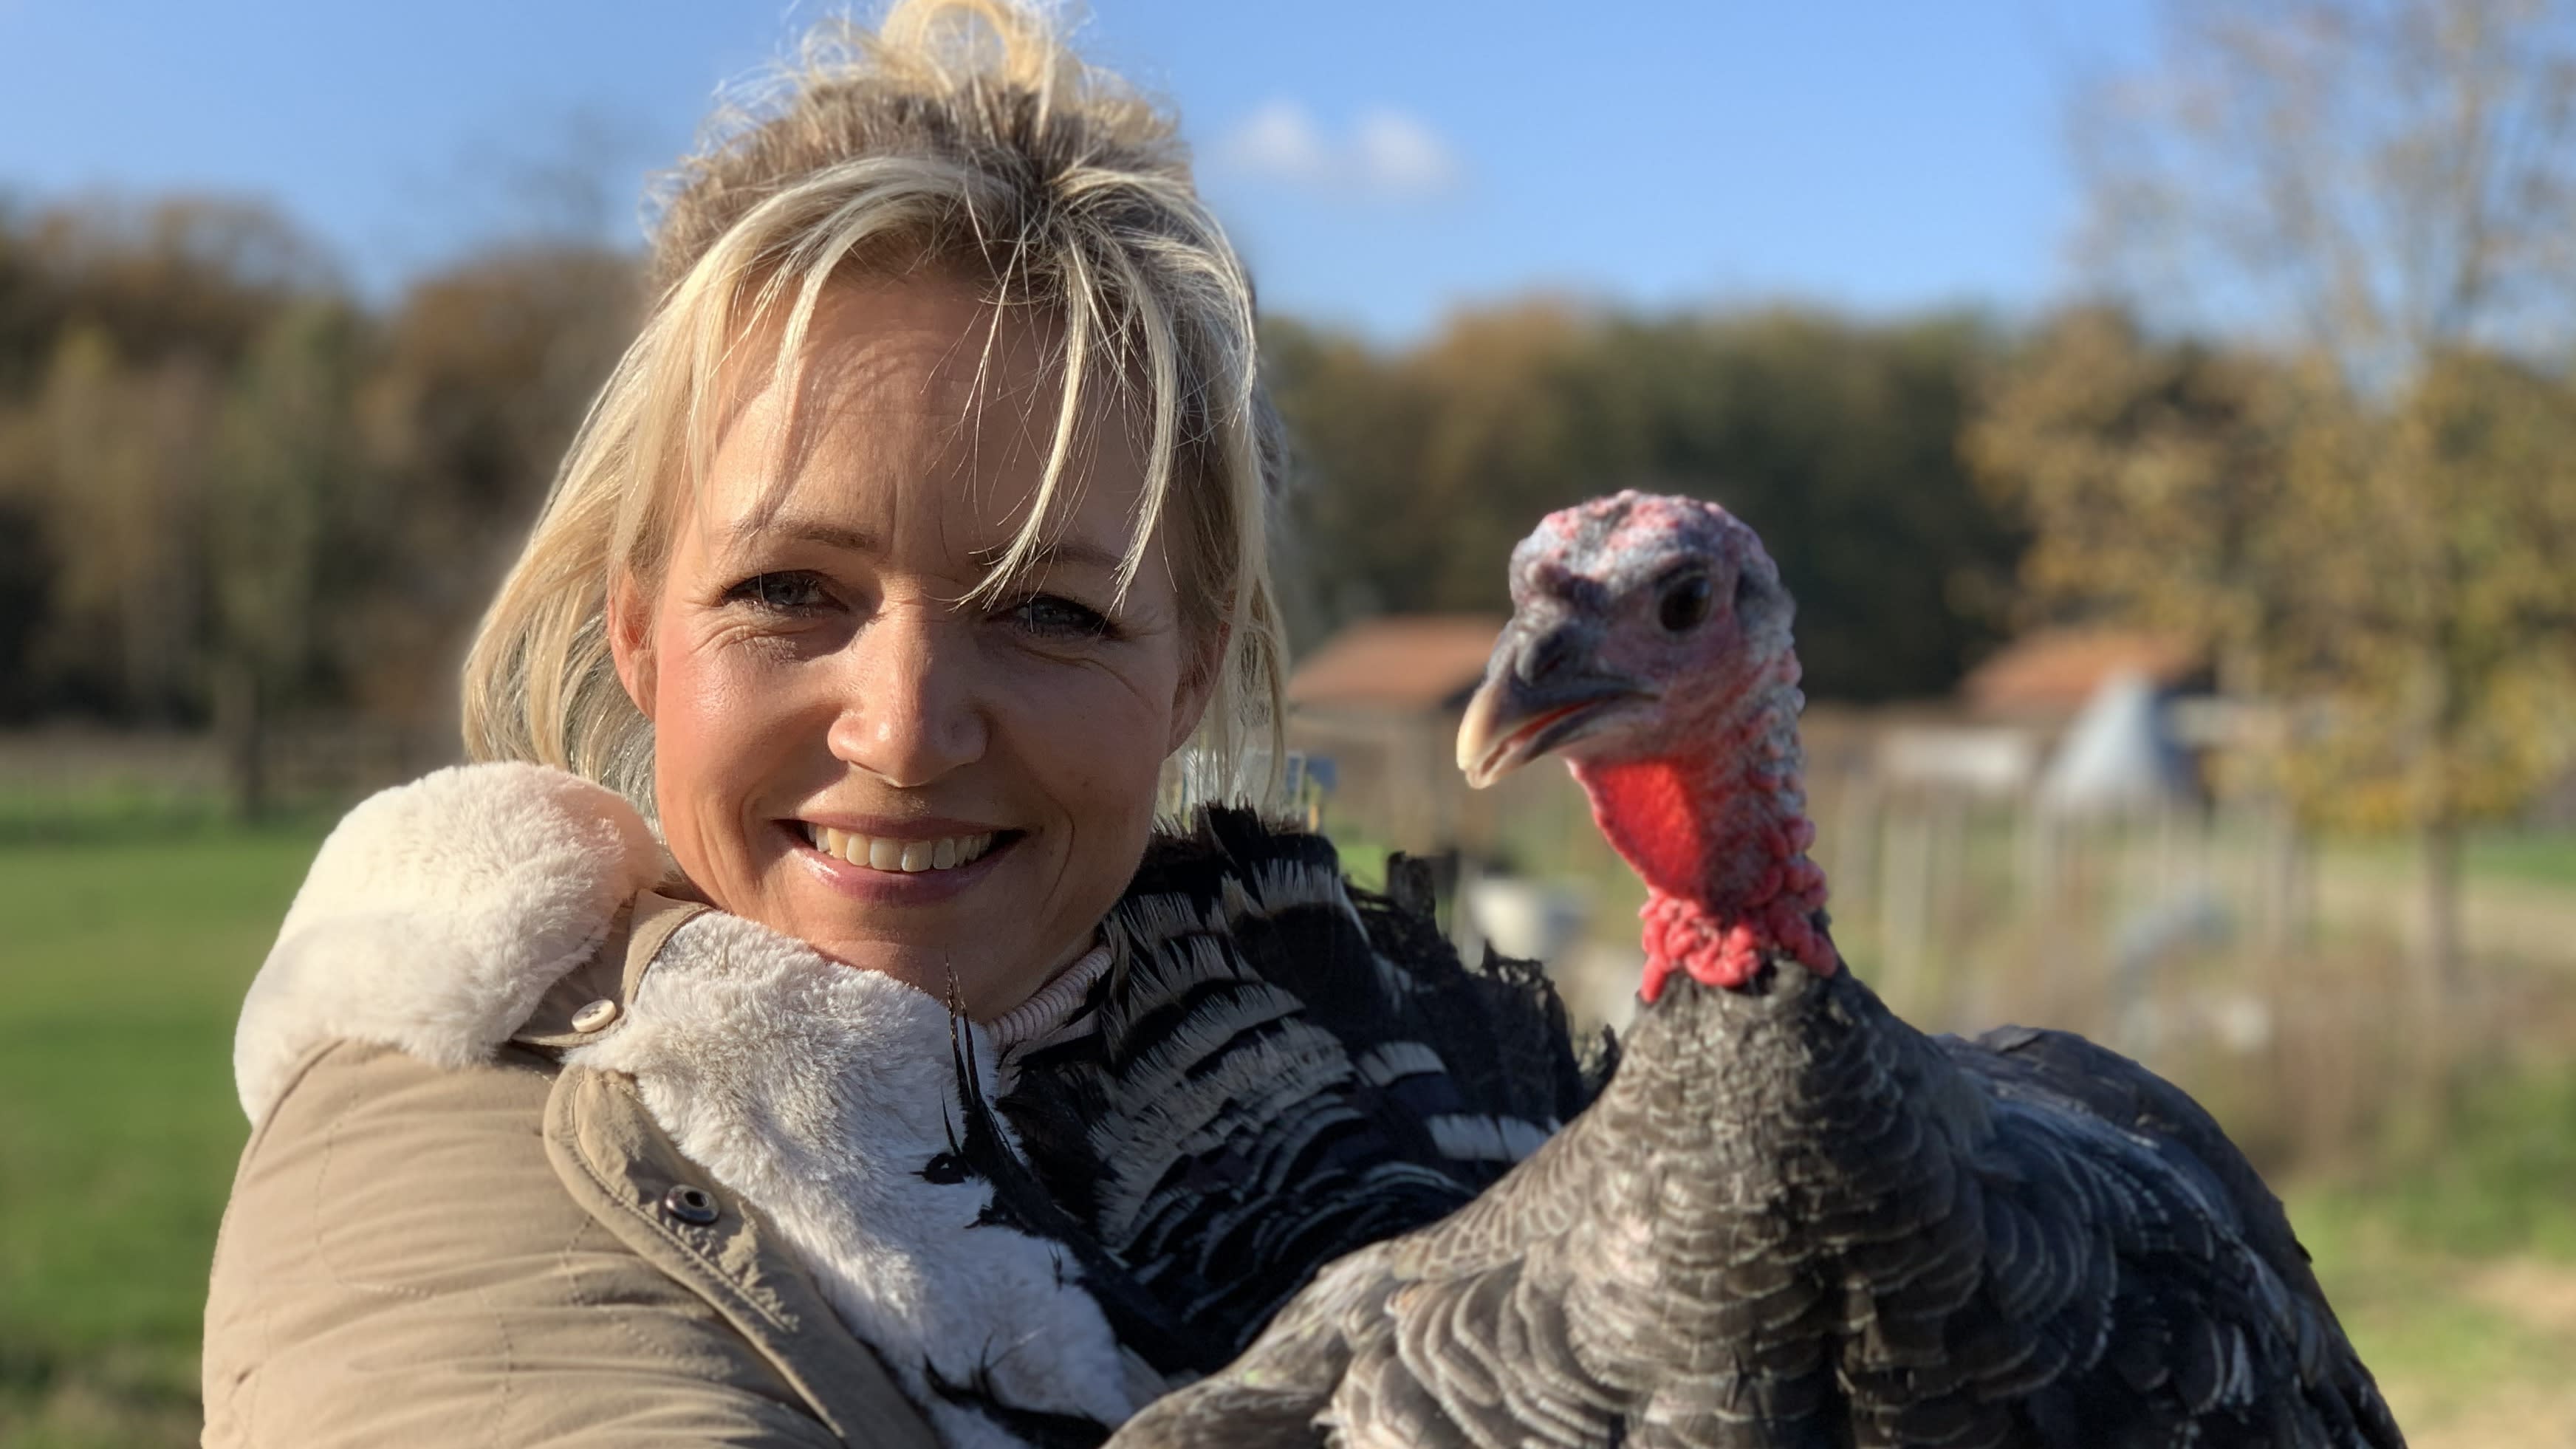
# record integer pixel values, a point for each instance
(131, 934)
(125, 958)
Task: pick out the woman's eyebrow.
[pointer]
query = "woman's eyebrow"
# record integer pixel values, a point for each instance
(1074, 551)
(1054, 552)
(805, 529)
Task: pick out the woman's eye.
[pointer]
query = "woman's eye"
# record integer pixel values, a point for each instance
(779, 593)
(1053, 616)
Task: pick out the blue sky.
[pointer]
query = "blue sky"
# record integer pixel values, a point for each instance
(1379, 162)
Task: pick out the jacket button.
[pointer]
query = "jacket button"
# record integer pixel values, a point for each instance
(595, 1016)
(692, 1205)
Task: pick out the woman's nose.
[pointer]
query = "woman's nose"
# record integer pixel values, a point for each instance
(912, 711)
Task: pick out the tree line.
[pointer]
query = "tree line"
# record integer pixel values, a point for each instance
(229, 488)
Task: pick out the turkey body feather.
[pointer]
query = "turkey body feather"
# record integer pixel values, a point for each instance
(1844, 1234)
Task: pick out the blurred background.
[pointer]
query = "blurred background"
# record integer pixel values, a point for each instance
(2161, 410)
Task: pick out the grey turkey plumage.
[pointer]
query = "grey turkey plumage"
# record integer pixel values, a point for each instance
(1929, 1243)
(1790, 1219)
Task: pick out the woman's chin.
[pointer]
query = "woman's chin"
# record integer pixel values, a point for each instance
(960, 974)
(972, 934)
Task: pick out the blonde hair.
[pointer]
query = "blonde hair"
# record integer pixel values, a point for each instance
(962, 135)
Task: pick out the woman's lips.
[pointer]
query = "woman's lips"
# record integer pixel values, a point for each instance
(926, 885)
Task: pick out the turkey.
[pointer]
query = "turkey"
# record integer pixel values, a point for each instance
(1790, 1219)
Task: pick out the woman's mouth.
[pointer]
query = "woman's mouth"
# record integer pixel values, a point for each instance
(905, 857)
(900, 871)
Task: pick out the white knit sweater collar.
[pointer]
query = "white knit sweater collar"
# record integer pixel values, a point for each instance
(1045, 1015)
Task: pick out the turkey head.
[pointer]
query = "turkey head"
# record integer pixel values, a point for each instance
(1650, 646)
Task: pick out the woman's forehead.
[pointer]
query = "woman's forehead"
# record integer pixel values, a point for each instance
(926, 347)
(913, 402)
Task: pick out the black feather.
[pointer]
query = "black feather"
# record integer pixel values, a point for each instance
(1280, 1070)
(1140, 1320)
(1039, 1428)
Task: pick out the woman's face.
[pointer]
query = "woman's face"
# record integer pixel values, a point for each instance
(844, 752)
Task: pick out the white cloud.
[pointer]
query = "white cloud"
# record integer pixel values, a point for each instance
(1387, 155)
(1399, 156)
(1280, 142)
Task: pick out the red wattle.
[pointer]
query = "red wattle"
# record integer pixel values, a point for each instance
(1724, 861)
(1652, 812)
(1720, 837)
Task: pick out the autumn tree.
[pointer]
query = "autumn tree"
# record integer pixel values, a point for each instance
(483, 372)
(2374, 202)
(114, 465)
(2154, 474)
(279, 511)
(120, 325)
(228, 491)
(2439, 628)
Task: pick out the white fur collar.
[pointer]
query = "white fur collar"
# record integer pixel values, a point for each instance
(821, 1093)
(438, 914)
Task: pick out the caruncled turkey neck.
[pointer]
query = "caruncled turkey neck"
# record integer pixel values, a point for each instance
(1720, 838)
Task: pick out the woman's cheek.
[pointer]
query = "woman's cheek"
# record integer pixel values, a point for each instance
(719, 739)
(704, 694)
(1094, 733)
(1118, 711)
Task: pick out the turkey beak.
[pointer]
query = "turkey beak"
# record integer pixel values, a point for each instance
(1540, 693)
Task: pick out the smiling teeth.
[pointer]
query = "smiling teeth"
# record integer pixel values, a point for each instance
(902, 856)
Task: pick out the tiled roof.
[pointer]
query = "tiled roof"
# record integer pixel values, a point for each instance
(2054, 671)
(1410, 662)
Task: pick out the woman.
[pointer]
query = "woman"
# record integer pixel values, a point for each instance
(917, 531)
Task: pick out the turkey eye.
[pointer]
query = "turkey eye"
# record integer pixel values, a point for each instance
(1685, 603)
